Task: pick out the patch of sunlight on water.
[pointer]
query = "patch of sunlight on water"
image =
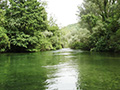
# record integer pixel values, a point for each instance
(65, 78)
(66, 52)
(64, 49)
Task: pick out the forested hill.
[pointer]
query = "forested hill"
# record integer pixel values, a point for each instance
(71, 27)
(71, 34)
(67, 32)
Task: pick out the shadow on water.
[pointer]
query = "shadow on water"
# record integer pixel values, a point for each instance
(64, 69)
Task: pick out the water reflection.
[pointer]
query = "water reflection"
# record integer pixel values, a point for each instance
(98, 71)
(64, 69)
(65, 78)
(17, 72)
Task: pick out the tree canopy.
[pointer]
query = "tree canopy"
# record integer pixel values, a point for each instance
(101, 18)
(25, 24)
(24, 27)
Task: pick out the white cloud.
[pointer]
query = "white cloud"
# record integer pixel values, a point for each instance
(64, 10)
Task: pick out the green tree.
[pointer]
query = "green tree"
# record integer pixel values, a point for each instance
(101, 18)
(54, 29)
(23, 19)
(4, 39)
(3, 4)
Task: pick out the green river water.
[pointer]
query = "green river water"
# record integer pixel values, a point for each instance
(64, 69)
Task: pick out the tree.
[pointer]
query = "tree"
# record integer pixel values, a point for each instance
(4, 40)
(101, 18)
(3, 4)
(23, 19)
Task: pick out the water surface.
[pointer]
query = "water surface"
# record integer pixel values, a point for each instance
(64, 69)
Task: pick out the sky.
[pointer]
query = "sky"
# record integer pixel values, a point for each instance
(64, 11)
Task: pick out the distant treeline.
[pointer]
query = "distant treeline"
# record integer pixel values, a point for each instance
(24, 27)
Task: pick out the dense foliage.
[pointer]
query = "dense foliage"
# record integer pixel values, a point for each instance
(102, 19)
(67, 34)
(74, 36)
(24, 27)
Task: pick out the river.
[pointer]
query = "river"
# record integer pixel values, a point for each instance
(63, 69)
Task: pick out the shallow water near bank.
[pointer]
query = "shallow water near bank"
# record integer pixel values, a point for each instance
(64, 69)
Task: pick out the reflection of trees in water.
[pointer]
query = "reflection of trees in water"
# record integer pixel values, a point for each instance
(24, 71)
(98, 71)
(44, 70)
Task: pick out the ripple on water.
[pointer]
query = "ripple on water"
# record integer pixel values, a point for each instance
(65, 75)
(65, 78)
(64, 50)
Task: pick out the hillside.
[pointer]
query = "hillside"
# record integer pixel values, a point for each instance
(71, 34)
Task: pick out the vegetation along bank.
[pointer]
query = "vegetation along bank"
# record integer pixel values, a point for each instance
(24, 27)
